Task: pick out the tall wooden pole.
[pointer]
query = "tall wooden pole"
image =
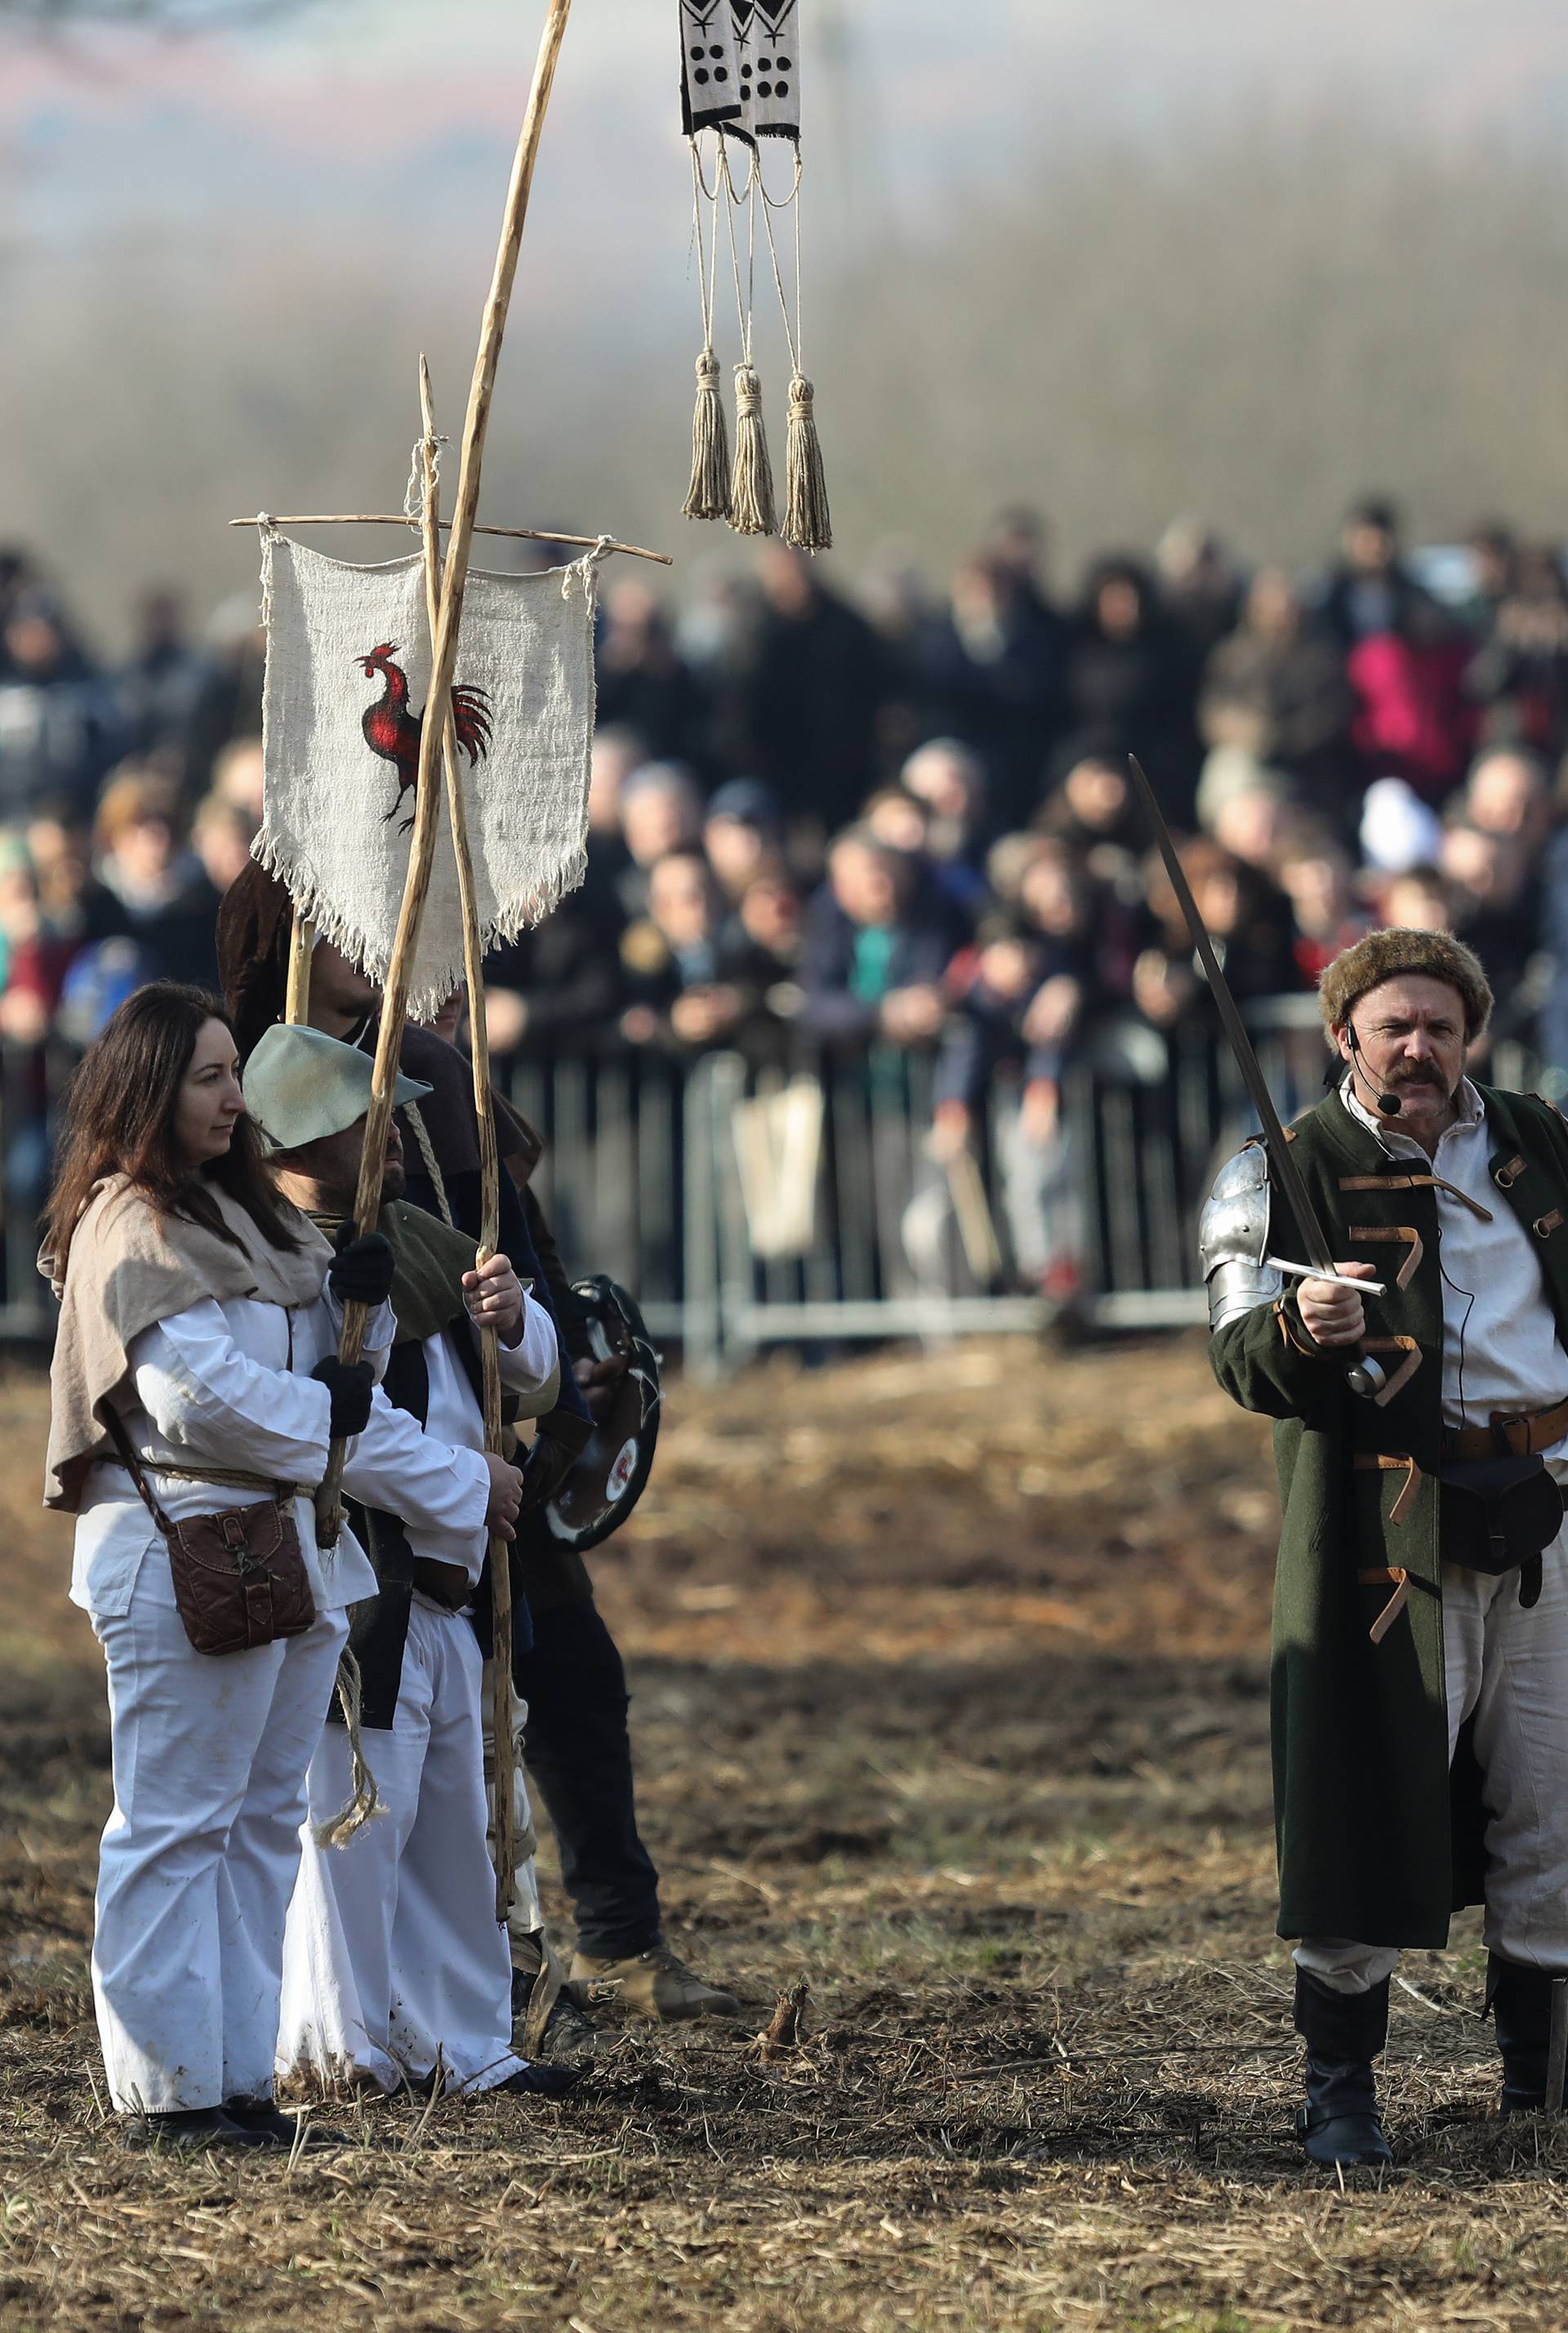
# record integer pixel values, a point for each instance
(301, 939)
(503, 1750)
(438, 704)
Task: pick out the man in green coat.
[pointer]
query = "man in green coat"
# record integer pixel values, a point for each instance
(1420, 1629)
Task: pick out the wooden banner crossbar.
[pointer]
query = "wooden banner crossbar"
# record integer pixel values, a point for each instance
(514, 534)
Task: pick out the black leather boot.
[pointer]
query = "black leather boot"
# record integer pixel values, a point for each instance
(1343, 2032)
(265, 2116)
(1519, 2001)
(543, 2081)
(189, 2127)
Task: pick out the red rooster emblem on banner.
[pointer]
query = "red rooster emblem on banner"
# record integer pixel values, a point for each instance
(393, 731)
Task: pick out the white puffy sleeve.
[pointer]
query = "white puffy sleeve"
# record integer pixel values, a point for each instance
(535, 1357)
(205, 1395)
(381, 1329)
(395, 1466)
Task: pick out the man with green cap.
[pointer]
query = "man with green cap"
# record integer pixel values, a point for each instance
(573, 1682)
(394, 1969)
(1420, 1637)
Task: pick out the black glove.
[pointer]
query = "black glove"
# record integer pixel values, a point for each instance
(348, 1384)
(550, 1460)
(362, 1271)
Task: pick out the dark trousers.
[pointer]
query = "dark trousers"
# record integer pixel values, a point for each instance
(579, 1754)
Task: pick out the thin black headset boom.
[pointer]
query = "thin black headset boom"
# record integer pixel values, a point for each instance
(1388, 1103)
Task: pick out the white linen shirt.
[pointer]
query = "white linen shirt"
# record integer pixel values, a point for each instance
(214, 1388)
(435, 1478)
(1501, 1350)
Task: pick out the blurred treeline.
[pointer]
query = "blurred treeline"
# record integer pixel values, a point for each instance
(1248, 323)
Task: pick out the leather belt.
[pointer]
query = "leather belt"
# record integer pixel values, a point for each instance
(1513, 1437)
(445, 1584)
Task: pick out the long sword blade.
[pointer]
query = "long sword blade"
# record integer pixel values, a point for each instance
(1286, 1172)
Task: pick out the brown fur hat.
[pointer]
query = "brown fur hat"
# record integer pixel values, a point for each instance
(1384, 955)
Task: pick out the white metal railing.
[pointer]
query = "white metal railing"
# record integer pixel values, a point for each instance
(797, 1200)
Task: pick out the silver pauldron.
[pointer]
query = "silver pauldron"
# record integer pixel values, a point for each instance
(1233, 1238)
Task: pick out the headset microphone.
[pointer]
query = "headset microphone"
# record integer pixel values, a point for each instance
(1388, 1104)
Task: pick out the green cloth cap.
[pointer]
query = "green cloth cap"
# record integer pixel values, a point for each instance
(301, 1085)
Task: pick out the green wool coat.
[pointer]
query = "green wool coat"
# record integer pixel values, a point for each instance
(1377, 1840)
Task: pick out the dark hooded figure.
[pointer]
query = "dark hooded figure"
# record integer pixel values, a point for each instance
(1130, 671)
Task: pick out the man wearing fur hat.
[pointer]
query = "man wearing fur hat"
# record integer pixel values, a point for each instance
(1420, 1633)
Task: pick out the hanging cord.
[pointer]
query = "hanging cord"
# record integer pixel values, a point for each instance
(770, 203)
(364, 1800)
(742, 294)
(414, 1121)
(808, 522)
(267, 529)
(708, 494)
(707, 262)
(414, 492)
(586, 571)
(752, 508)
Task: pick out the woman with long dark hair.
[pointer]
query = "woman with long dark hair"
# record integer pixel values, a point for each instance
(192, 1413)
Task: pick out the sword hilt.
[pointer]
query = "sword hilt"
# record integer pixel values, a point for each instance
(1364, 1376)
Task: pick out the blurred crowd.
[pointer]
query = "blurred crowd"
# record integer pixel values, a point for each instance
(898, 820)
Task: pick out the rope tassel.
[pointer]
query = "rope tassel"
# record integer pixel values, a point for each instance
(751, 487)
(808, 522)
(708, 495)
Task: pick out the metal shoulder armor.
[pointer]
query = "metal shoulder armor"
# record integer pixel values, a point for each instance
(1233, 1238)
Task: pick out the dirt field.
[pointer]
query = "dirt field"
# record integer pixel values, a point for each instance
(949, 1678)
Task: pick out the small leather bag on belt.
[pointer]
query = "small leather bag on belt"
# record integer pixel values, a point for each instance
(239, 1576)
(1500, 1514)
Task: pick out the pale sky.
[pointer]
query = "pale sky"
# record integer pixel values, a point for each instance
(406, 105)
(219, 256)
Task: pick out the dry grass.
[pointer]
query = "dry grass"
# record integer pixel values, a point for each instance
(949, 1699)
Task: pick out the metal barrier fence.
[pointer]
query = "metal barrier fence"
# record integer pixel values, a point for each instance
(901, 1246)
(800, 1202)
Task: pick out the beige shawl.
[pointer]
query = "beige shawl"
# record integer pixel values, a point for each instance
(128, 1269)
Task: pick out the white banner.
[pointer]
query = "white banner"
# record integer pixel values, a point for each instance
(348, 671)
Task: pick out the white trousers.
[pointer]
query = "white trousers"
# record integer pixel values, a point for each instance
(1508, 1669)
(199, 1855)
(394, 1960)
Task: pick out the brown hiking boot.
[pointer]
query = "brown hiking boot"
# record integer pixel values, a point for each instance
(649, 1984)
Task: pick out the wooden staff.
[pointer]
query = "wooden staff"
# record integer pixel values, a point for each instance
(438, 704)
(364, 1800)
(302, 940)
(503, 1752)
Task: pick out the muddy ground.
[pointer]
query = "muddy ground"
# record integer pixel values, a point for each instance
(951, 1697)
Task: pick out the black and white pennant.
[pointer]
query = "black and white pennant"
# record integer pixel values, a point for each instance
(711, 96)
(773, 82)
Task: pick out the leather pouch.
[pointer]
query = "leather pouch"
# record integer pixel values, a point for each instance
(239, 1575)
(1500, 1514)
